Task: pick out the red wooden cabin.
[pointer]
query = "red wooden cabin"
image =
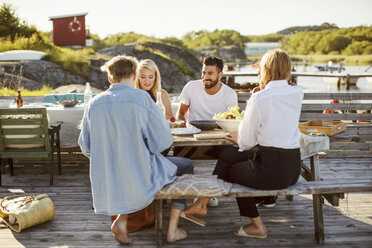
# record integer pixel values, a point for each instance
(69, 30)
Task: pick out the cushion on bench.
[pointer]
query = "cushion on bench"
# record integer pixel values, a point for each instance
(195, 186)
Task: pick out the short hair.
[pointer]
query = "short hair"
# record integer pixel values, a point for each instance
(212, 60)
(275, 64)
(120, 67)
(149, 64)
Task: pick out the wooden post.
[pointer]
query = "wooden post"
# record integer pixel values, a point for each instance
(317, 202)
(159, 222)
(347, 81)
(52, 159)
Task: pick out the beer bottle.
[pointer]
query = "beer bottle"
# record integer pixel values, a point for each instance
(19, 99)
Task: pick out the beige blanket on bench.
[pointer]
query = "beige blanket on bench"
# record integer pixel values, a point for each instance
(196, 186)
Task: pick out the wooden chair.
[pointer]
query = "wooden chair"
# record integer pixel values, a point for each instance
(24, 133)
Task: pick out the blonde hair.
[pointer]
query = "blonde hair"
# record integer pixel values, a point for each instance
(120, 67)
(275, 64)
(150, 65)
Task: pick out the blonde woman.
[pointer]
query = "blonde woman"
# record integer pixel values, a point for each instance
(268, 156)
(148, 79)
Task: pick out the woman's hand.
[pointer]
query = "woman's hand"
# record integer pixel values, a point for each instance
(233, 137)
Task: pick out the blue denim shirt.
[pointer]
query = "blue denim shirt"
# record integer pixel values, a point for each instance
(123, 133)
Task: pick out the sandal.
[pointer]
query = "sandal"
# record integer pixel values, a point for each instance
(192, 218)
(242, 233)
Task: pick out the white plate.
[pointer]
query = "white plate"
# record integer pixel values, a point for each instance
(185, 131)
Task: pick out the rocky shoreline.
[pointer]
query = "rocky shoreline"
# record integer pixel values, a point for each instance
(176, 66)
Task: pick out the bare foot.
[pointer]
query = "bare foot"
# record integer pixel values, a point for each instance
(198, 208)
(119, 230)
(179, 234)
(252, 230)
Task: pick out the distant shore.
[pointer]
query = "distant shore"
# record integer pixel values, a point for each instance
(319, 58)
(344, 59)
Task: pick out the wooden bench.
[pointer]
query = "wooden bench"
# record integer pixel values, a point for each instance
(316, 188)
(356, 141)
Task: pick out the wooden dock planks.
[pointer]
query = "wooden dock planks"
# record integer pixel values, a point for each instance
(289, 224)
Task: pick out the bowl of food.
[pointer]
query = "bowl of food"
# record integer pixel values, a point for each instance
(68, 103)
(228, 125)
(229, 121)
(204, 124)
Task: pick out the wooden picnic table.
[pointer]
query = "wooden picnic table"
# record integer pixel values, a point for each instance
(187, 142)
(311, 173)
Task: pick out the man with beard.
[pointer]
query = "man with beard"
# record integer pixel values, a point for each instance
(203, 98)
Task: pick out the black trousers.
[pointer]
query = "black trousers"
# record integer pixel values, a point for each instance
(260, 168)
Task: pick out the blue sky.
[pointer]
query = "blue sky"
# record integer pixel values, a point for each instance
(161, 18)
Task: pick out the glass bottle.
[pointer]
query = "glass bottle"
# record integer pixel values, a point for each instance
(87, 94)
(159, 102)
(19, 99)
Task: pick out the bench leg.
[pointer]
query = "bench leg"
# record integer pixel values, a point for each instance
(318, 218)
(317, 202)
(159, 222)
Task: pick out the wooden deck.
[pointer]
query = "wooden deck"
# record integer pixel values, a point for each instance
(289, 224)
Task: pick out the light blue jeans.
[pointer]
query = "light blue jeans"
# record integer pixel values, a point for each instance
(184, 166)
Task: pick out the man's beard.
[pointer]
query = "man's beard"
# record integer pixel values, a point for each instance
(209, 86)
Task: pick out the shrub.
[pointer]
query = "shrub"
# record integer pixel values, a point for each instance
(73, 60)
(12, 92)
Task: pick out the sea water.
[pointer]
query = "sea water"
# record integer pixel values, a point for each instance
(317, 84)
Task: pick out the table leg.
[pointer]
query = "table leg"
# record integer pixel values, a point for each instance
(159, 222)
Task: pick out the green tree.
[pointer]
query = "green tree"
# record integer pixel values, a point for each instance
(126, 38)
(11, 26)
(359, 47)
(333, 43)
(348, 41)
(226, 37)
(265, 38)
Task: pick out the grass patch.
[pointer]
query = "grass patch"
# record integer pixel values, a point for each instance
(185, 70)
(75, 61)
(35, 42)
(11, 92)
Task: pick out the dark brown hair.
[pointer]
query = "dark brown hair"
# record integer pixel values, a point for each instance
(212, 60)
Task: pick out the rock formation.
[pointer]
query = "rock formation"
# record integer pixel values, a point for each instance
(36, 73)
(176, 66)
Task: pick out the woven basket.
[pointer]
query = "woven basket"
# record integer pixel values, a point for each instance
(20, 212)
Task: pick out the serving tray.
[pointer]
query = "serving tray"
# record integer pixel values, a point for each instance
(330, 128)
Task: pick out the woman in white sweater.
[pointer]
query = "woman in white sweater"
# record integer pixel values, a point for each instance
(268, 156)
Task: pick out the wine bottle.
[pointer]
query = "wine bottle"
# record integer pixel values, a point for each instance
(159, 102)
(87, 94)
